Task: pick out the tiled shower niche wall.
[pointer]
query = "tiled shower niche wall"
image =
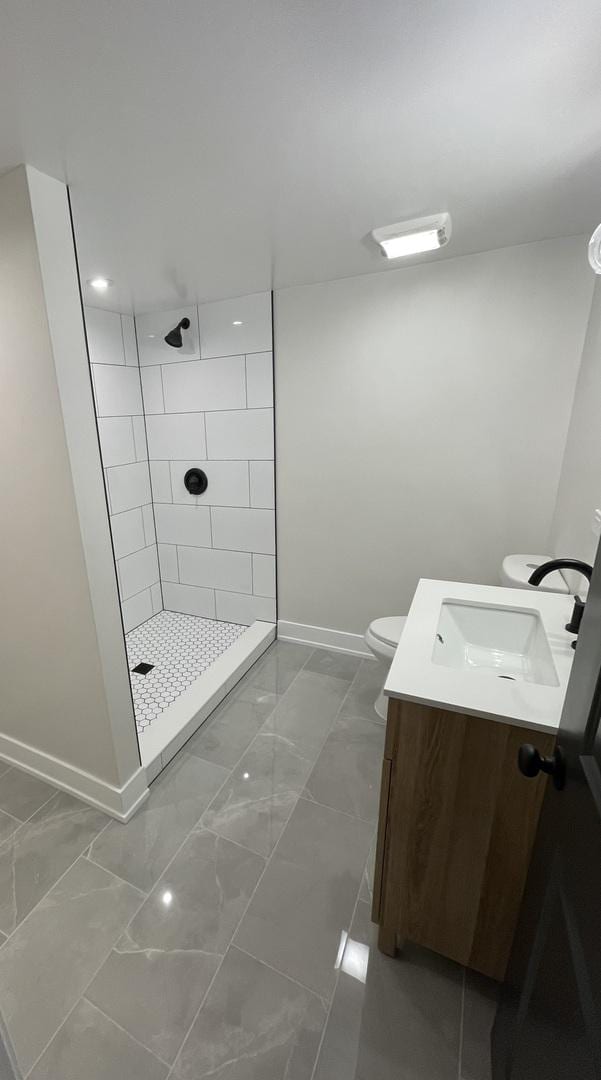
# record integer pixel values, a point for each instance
(210, 405)
(119, 411)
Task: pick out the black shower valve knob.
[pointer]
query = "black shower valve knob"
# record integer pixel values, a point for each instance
(196, 481)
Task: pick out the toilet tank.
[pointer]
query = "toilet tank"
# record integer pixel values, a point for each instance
(516, 569)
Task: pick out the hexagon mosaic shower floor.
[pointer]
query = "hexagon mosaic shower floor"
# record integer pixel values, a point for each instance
(180, 647)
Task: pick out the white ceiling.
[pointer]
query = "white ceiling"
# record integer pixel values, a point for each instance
(219, 147)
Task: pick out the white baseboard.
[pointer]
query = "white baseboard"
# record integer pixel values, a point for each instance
(120, 803)
(338, 640)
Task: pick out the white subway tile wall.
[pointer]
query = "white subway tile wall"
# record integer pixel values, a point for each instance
(209, 405)
(236, 435)
(118, 400)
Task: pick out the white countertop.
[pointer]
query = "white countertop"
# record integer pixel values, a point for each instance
(414, 676)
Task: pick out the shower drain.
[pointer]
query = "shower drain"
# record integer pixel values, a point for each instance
(142, 669)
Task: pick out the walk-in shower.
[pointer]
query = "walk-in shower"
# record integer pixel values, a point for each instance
(185, 423)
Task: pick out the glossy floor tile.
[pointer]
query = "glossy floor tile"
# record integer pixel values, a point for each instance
(364, 690)
(21, 794)
(156, 977)
(393, 1019)
(140, 850)
(224, 931)
(40, 851)
(8, 826)
(348, 770)
(232, 727)
(255, 1025)
(90, 1046)
(47, 963)
(256, 801)
(280, 665)
(305, 900)
(307, 711)
(328, 662)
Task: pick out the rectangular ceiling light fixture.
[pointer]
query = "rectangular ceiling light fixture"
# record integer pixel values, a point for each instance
(414, 237)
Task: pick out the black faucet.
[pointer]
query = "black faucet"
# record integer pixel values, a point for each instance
(565, 564)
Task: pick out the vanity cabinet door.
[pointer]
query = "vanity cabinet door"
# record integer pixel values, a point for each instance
(457, 824)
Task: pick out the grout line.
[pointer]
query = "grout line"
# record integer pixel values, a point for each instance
(125, 464)
(206, 460)
(132, 597)
(165, 870)
(251, 897)
(80, 855)
(232, 943)
(160, 366)
(324, 806)
(89, 859)
(338, 973)
(103, 364)
(25, 821)
(124, 1030)
(126, 927)
(139, 507)
(145, 896)
(216, 506)
(199, 359)
(183, 412)
(284, 975)
(97, 970)
(133, 439)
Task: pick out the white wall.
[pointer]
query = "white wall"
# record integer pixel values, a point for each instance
(122, 431)
(210, 406)
(66, 706)
(580, 484)
(421, 420)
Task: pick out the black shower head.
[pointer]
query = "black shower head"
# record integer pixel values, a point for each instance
(174, 337)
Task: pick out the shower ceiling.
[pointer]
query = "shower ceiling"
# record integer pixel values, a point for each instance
(218, 149)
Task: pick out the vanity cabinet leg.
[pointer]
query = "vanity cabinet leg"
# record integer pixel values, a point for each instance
(387, 940)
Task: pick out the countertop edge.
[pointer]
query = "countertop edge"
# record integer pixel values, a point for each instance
(446, 706)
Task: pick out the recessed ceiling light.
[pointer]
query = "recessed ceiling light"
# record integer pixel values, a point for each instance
(237, 322)
(414, 237)
(100, 283)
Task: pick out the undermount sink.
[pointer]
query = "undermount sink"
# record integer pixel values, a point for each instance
(508, 642)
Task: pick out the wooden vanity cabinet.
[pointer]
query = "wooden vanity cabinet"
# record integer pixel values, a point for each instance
(455, 834)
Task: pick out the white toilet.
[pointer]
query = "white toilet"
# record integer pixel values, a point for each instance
(516, 570)
(382, 636)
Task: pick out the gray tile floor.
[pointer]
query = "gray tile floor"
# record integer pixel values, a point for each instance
(225, 931)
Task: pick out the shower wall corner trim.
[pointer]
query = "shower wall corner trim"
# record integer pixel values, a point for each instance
(95, 729)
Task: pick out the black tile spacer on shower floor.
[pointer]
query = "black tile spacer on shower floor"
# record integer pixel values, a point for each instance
(143, 669)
